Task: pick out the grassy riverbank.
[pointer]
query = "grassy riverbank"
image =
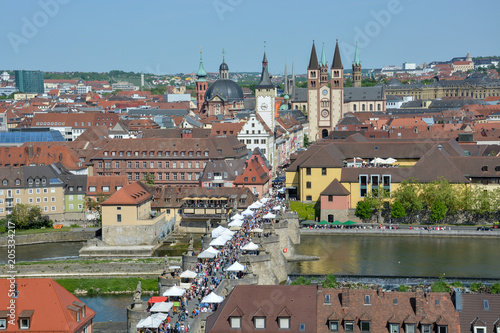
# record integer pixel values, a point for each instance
(96, 261)
(93, 286)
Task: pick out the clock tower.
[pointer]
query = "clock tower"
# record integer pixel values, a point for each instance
(265, 95)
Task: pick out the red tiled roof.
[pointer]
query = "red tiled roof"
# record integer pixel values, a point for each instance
(51, 306)
(113, 182)
(35, 154)
(226, 128)
(132, 194)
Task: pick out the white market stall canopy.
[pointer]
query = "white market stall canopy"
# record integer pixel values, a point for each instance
(212, 298)
(250, 247)
(174, 291)
(228, 234)
(162, 307)
(255, 205)
(207, 255)
(236, 267)
(188, 274)
(212, 250)
(264, 200)
(247, 212)
(276, 207)
(237, 217)
(219, 241)
(257, 230)
(269, 216)
(150, 322)
(235, 223)
(218, 231)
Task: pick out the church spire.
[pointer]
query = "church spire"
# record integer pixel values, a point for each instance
(223, 68)
(323, 57)
(313, 61)
(201, 73)
(285, 84)
(356, 56)
(265, 79)
(337, 62)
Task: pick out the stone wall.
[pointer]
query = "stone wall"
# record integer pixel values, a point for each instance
(132, 234)
(73, 235)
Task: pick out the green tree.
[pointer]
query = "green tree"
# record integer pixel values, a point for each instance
(149, 178)
(397, 210)
(20, 216)
(306, 141)
(330, 281)
(438, 211)
(94, 206)
(363, 210)
(408, 194)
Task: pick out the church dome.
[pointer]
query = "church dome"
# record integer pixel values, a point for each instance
(223, 67)
(227, 90)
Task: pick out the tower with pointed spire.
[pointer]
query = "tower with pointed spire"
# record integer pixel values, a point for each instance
(356, 69)
(285, 82)
(201, 84)
(323, 67)
(324, 97)
(223, 68)
(265, 95)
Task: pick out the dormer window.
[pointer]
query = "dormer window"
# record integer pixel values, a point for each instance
(235, 322)
(367, 300)
(284, 323)
(44, 181)
(333, 325)
(442, 329)
(25, 319)
(18, 182)
(259, 322)
(327, 299)
(349, 326)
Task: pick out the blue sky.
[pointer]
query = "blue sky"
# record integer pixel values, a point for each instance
(165, 36)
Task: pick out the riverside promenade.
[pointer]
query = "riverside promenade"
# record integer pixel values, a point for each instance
(453, 231)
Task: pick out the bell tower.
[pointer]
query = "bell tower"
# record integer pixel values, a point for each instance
(337, 87)
(356, 69)
(201, 85)
(313, 80)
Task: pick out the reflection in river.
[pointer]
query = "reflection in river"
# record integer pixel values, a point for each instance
(403, 256)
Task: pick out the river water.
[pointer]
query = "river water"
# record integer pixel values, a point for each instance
(353, 255)
(398, 256)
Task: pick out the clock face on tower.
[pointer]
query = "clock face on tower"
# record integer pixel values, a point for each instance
(325, 92)
(263, 106)
(325, 113)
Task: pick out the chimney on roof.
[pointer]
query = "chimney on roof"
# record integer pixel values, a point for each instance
(419, 304)
(380, 292)
(345, 298)
(187, 134)
(30, 151)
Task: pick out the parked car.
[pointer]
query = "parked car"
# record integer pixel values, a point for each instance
(483, 229)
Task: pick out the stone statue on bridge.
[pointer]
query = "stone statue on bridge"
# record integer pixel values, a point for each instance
(138, 294)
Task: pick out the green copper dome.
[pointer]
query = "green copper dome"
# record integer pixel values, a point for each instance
(201, 73)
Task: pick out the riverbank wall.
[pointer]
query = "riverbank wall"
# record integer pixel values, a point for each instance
(75, 269)
(402, 232)
(72, 235)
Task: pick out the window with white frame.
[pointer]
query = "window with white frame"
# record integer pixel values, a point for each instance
(235, 322)
(259, 322)
(284, 323)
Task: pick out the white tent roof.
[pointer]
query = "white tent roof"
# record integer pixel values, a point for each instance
(255, 205)
(174, 291)
(257, 230)
(237, 216)
(212, 250)
(247, 212)
(212, 298)
(264, 200)
(150, 322)
(188, 274)
(236, 223)
(219, 241)
(161, 307)
(228, 234)
(250, 247)
(218, 231)
(207, 255)
(236, 267)
(276, 207)
(269, 216)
